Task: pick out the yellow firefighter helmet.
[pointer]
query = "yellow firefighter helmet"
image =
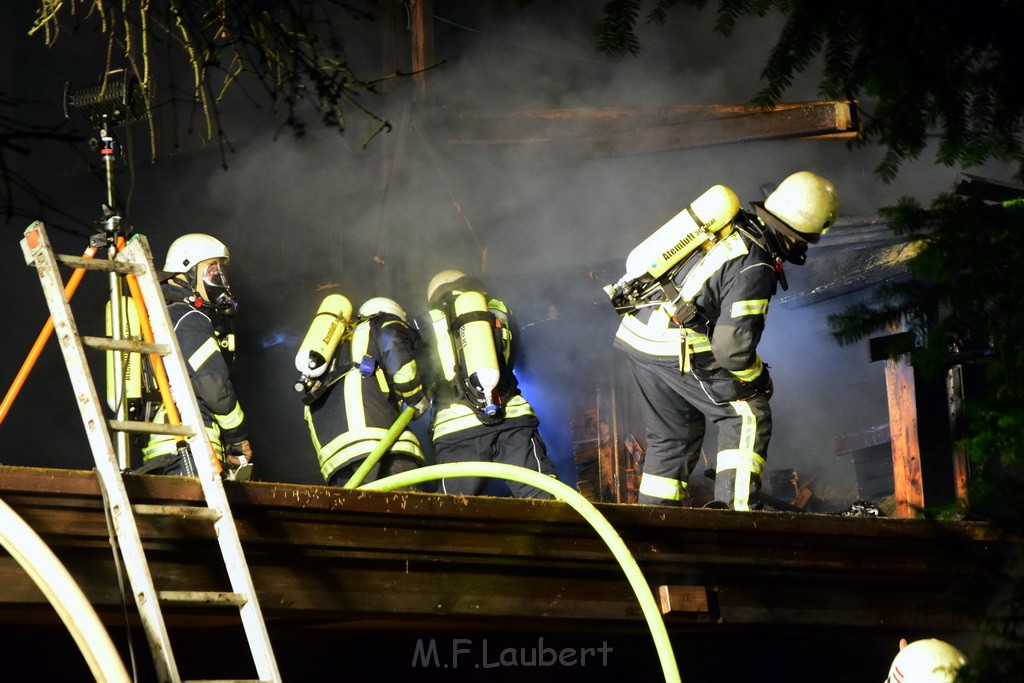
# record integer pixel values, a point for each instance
(926, 661)
(805, 206)
(380, 304)
(188, 250)
(445, 277)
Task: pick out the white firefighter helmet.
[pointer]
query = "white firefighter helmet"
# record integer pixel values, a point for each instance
(445, 277)
(806, 205)
(380, 304)
(926, 661)
(188, 250)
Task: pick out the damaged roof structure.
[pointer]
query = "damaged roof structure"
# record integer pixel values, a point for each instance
(369, 583)
(397, 570)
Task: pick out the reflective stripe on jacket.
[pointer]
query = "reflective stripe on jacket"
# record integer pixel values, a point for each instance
(164, 444)
(457, 417)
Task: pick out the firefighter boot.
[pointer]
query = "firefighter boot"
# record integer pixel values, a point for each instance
(737, 491)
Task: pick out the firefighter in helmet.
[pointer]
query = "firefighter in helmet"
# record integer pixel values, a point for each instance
(925, 661)
(366, 380)
(480, 413)
(691, 326)
(201, 305)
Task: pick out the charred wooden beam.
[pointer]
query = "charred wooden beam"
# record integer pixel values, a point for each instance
(643, 129)
(925, 424)
(956, 394)
(989, 189)
(422, 41)
(903, 430)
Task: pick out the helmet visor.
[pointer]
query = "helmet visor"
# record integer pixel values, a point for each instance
(214, 276)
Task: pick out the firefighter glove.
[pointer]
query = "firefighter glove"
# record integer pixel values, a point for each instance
(237, 451)
(763, 384)
(421, 407)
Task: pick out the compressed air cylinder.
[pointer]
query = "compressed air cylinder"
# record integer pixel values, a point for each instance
(686, 231)
(130, 363)
(476, 337)
(324, 334)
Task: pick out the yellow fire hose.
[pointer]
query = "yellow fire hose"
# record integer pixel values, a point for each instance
(36, 558)
(583, 506)
(385, 444)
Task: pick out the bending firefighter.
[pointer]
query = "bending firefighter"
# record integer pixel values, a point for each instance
(481, 415)
(356, 374)
(694, 300)
(201, 305)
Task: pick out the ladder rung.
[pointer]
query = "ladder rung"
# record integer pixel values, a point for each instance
(129, 345)
(212, 598)
(137, 427)
(120, 267)
(186, 511)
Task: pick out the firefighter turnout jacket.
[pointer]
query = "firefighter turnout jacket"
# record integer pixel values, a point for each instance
(730, 287)
(204, 345)
(371, 376)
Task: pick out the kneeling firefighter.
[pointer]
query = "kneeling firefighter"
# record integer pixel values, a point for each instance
(694, 300)
(355, 375)
(481, 414)
(201, 307)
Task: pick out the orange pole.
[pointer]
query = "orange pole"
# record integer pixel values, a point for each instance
(44, 336)
(158, 362)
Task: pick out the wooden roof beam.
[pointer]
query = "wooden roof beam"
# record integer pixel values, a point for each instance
(640, 130)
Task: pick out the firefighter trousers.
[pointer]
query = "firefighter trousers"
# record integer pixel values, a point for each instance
(675, 409)
(515, 441)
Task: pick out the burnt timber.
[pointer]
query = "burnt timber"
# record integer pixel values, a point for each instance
(366, 564)
(643, 130)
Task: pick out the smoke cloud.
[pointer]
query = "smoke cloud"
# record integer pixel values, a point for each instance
(543, 224)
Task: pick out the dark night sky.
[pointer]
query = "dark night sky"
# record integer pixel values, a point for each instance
(299, 215)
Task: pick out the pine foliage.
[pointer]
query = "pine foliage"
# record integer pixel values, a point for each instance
(950, 69)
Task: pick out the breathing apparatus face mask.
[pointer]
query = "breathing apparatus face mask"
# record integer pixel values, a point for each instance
(215, 281)
(796, 250)
(792, 242)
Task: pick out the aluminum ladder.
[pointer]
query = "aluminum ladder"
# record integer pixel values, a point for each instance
(135, 259)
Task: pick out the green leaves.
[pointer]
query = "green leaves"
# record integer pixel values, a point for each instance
(614, 32)
(951, 72)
